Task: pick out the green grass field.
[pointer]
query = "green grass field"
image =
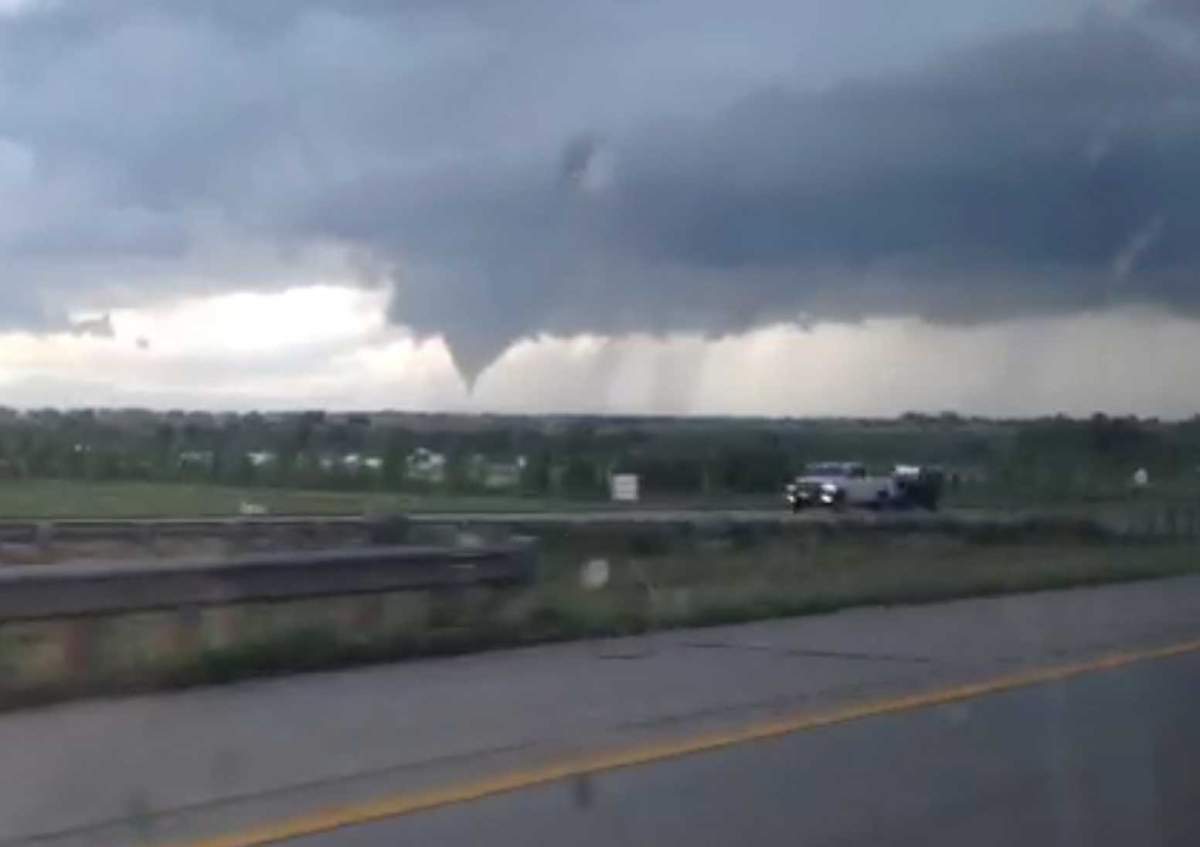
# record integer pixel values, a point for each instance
(691, 583)
(54, 498)
(702, 582)
(26, 499)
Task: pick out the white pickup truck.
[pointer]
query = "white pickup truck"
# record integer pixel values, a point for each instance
(839, 484)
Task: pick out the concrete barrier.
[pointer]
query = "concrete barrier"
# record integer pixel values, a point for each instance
(32, 592)
(94, 627)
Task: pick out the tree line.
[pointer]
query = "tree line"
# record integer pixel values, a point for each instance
(575, 456)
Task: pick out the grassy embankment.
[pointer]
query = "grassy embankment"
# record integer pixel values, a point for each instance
(660, 576)
(747, 573)
(662, 579)
(48, 499)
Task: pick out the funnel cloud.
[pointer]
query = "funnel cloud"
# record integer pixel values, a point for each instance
(564, 168)
(966, 191)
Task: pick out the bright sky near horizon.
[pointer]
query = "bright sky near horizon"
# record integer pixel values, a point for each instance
(329, 346)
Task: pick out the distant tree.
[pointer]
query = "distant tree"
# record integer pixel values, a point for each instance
(752, 469)
(535, 476)
(580, 478)
(580, 438)
(669, 474)
(458, 474)
(1119, 437)
(397, 448)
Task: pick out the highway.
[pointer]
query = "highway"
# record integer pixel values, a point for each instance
(772, 515)
(1060, 717)
(1101, 760)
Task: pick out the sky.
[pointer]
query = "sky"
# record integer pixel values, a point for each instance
(782, 207)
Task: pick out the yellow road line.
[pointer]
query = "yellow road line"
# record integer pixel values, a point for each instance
(408, 803)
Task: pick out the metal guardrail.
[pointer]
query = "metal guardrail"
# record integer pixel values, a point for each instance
(24, 531)
(30, 592)
(141, 529)
(384, 529)
(1167, 520)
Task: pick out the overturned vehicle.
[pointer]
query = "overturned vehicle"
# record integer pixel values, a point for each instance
(837, 485)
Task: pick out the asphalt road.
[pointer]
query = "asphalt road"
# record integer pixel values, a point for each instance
(1105, 759)
(655, 515)
(173, 768)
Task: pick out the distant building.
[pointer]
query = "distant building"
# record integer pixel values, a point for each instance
(261, 458)
(355, 462)
(425, 465)
(190, 458)
(496, 475)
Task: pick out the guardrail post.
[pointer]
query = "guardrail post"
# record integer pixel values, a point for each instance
(220, 627)
(79, 647)
(147, 537)
(43, 537)
(367, 615)
(188, 637)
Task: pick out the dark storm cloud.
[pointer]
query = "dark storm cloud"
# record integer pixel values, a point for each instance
(568, 167)
(1043, 171)
(1181, 10)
